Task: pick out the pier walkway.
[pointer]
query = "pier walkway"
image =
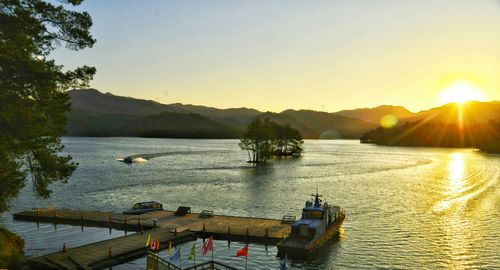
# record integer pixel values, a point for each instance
(164, 225)
(108, 252)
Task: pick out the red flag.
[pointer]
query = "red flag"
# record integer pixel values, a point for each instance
(242, 252)
(151, 244)
(157, 246)
(207, 246)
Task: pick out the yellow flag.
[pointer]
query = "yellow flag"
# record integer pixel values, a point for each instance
(149, 239)
(170, 248)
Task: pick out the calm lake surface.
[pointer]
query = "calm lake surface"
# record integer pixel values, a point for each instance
(406, 208)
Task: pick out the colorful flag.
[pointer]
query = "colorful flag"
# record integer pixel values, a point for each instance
(151, 244)
(157, 244)
(192, 255)
(176, 255)
(283, 264)
(149, 239)
(170, 248)
(243, 251)
(207, 246)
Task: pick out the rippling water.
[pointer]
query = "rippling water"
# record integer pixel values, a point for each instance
(405, 207)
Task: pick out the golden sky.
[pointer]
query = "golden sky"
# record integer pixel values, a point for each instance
(276, 55)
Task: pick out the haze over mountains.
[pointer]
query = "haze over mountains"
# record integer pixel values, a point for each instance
(97, 114)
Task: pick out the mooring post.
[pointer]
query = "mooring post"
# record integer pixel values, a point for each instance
(37, 211)
(175, 231)
(203, 227)
(248, 234)
(267, 232)
(154, 224)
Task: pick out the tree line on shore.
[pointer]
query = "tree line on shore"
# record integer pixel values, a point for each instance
(263, 139)
(484, 136)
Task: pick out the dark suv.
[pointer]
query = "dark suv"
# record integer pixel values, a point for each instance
(144, 207)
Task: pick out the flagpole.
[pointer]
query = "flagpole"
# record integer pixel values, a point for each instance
(246, 261)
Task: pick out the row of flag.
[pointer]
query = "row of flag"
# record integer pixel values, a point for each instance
(154, 245)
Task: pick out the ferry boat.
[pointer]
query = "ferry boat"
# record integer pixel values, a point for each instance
(319, 223)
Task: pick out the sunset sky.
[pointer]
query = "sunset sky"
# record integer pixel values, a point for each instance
(275, 55)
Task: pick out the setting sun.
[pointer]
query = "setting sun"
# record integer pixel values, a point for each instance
(461, 92)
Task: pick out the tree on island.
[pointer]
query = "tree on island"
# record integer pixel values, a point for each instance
(265, 139)
(32, 97)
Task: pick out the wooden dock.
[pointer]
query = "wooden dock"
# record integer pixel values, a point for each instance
(164, 225)
(89, 218)
(107, 253)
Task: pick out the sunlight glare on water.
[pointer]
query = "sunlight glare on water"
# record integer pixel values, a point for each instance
(406, 208)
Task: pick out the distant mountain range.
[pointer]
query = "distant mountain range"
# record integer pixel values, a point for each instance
(97, 114)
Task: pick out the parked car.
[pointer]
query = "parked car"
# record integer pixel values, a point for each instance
(144, 207)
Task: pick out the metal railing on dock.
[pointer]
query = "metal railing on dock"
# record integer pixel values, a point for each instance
(154, 262)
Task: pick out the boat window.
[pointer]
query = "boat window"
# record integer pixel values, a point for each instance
(313, 214)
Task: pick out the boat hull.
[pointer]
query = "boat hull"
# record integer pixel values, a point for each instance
(295, 249)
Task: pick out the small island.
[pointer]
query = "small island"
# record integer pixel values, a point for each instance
(265, 139)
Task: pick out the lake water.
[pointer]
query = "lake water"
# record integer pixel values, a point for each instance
(406, 208)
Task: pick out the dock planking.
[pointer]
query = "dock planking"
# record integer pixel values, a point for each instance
(169, 227)
(91, 218)
(98, 256)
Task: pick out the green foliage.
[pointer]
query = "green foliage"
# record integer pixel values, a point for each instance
(11, 251)
(264, 139)
(32, 97)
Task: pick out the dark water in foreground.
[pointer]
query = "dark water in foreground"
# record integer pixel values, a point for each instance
(406, 208)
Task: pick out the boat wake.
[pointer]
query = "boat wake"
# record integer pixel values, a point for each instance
(466, 187)
(141, 158)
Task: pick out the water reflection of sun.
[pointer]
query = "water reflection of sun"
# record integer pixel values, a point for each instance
(456, 173)
(455, 182)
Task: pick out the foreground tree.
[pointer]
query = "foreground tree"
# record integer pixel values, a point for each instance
(264, 139)
(32, 98)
